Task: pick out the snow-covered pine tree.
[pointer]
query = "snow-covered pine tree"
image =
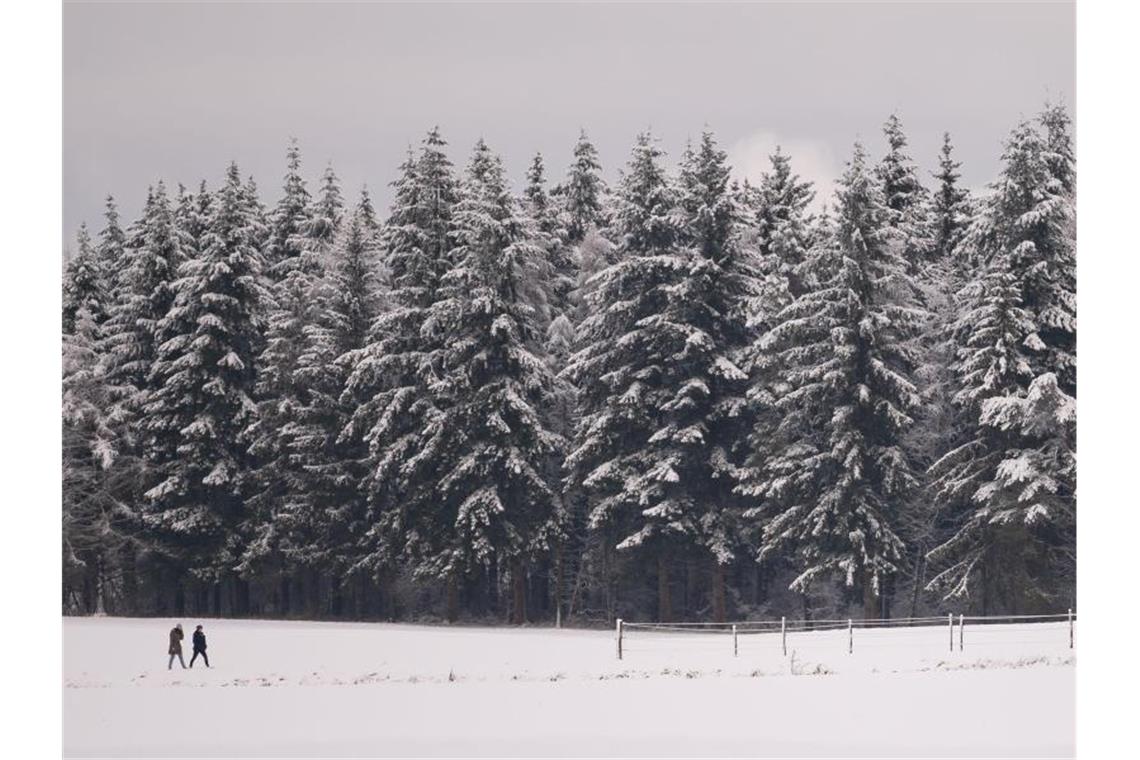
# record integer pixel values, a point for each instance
(276, 485)
(905, 197)
(495, 505)
(83, 284)
(706, 324)
(1058, 127)
(96, 520)
(192, 218)
(621, 372)
(950, 209)
(832, 472)
(783, 222)
(322, 521)
(563, 271)
(991, 331)
(327, 213)
(1009, 486)
(391, 383)
(562, 277)
(148, 270)
(1029, 216)
(325, 520)
(290, 219)
(582, 195)
(205, 375)
(112, 243)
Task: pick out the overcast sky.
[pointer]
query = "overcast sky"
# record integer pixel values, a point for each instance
(175, 91)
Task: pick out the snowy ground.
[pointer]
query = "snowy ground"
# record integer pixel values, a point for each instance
(299, 689)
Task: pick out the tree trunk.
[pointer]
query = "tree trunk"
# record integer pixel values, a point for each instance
(919, 571)
(518, 585)
(870, 600)
(718, 593)
(664, 599)
(559, 570)
(452, 599)
(100, 581)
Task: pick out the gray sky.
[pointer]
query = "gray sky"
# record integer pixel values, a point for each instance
(175, 91)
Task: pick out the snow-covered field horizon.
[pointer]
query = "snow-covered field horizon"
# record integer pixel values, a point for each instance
(292, 688)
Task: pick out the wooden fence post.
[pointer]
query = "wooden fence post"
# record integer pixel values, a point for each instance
(950, 619)
(735, 646)
(961, 632)
(620, 631)
(784, 633)
(850, 637)
(1070, 628)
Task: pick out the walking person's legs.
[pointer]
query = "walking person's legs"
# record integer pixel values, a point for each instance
(205, 659)
(182, 661)
(170, 664)
(195, 657)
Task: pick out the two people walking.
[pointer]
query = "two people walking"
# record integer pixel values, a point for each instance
(175, 649)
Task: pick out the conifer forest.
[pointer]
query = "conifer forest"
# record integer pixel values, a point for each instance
(553, 399)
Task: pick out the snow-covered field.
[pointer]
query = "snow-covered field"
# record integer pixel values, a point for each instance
(300, 689)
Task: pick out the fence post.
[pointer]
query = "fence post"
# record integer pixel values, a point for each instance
(950, 619)
(850, 637)
(784, 633)
(1070, 628)
(961, 632)
(620, 631)
(735, 647)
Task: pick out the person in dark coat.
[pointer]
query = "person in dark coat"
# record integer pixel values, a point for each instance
(199, 640)
(175, 649)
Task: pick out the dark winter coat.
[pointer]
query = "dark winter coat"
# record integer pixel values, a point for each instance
(199, 641)
(175, 641)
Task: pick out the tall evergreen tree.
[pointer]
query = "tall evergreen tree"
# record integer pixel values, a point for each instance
(563, 272)
(583, 193)
(83, 284)
(495, 504)
(1009, 485)
(148, 272)
(708, 318)
(832, 471)
(950, 204)
(904, 196)
(96, 521)
(393, 377)
(112, 244)
(326, 519)
(290, 220)
(621, 371)
(205, 374)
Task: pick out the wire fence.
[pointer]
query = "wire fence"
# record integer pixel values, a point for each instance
(933, 631)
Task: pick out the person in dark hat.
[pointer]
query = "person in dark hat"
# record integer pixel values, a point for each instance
(199, 640)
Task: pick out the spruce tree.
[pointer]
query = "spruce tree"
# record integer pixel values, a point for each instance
(290, 219)
(583, 193)
(1009, 484)
(495, 504)
(83, 284)
(326, 520)
(621, 373)
(950, 204)
(112, 244)
(97, 522)
(831, 472)
(703, 423)
(148, 271)
(205, 375)
(393, 378)
(904, 196)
